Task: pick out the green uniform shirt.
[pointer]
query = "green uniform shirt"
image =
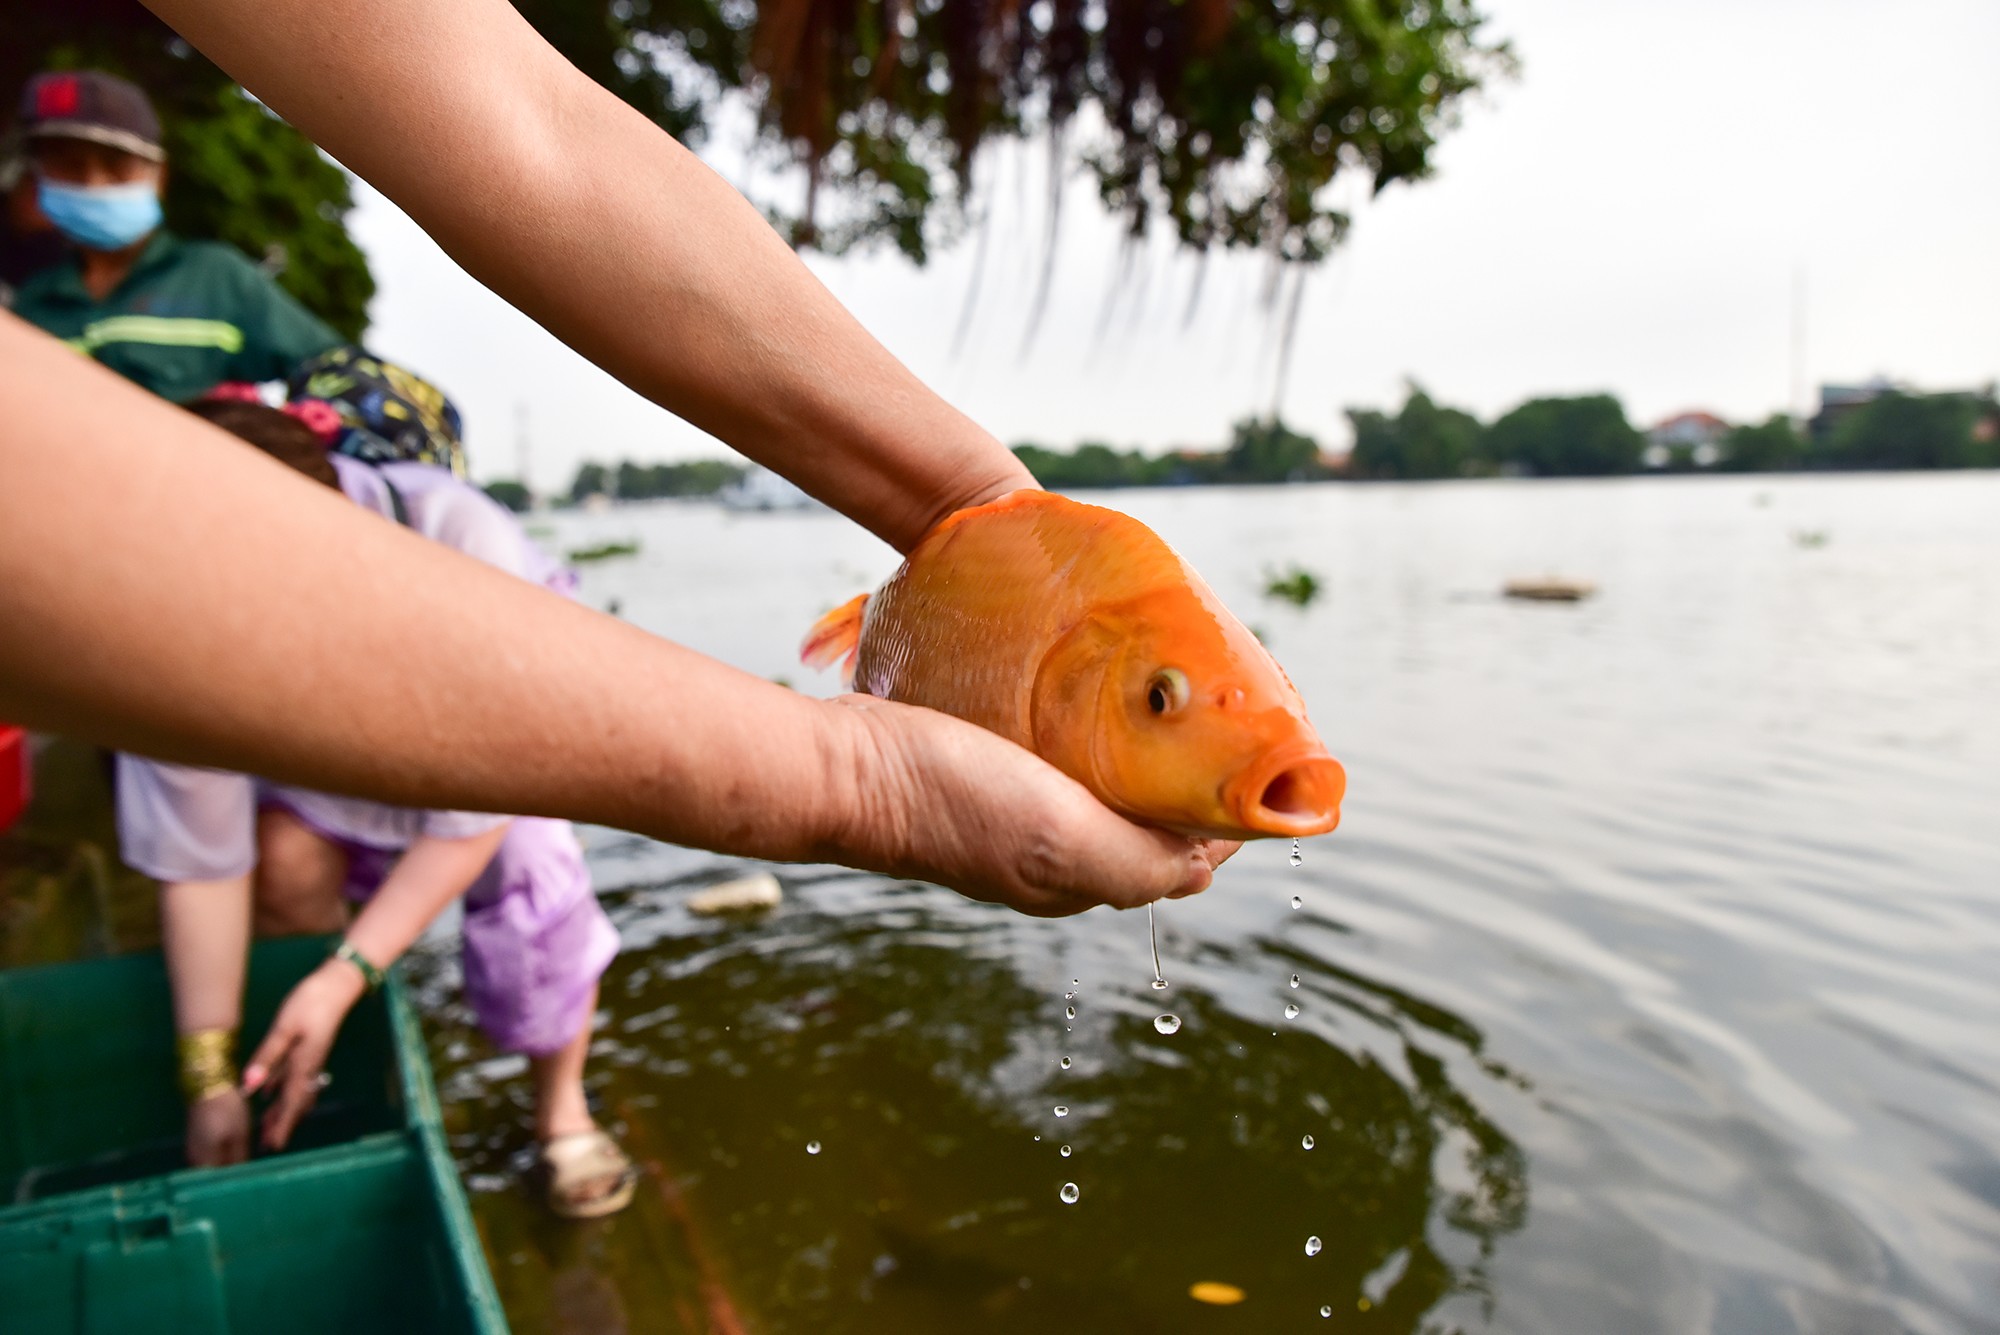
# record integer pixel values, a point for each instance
(190, 315)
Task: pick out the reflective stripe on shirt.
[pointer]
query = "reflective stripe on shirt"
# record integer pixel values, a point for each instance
(160, 331)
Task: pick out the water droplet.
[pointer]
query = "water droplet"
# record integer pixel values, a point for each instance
(1065, 1151)
(1307, 1142)
(1069, 996)
(1061, 1110)
(1069, 1012)
(1326, 1311)
(1069, 1193)
(1298, 903)
(1167, 1024)
(1312, 1246)
(1295, 980)
(1159, 984)
(1291, 1010)
(1076, 982)
(1065, 1063)
(1297, 857)
(812, 1147)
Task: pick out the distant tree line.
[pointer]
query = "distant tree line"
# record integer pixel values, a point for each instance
(1590, 437)
(641, 482)
(1584, 436)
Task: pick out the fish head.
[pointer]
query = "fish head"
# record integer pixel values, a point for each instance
(1173, 713)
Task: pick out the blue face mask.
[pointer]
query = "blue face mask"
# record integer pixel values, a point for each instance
(100, 217)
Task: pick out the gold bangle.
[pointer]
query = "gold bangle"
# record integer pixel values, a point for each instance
(208, 1063)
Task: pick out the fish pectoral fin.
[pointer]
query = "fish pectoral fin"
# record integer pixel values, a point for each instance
(836, 637)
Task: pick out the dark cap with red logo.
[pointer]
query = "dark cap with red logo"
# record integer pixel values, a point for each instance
(92, 105)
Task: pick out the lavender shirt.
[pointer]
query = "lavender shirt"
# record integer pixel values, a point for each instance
(182, 823)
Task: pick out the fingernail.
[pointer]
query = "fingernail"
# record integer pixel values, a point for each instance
(252, 1077)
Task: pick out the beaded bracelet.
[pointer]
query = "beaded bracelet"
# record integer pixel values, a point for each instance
(371, 975)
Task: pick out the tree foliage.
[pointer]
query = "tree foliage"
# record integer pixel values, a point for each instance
(514, 495)
(1901, 430)
(1767, 447)
(1266, 450)
(236, 173)
(1579, 437)
(1227, 119)
(1424, 440)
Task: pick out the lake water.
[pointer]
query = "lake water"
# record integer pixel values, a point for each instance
(1651, 984)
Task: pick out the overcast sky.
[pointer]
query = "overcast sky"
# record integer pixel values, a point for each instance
(1634, 213)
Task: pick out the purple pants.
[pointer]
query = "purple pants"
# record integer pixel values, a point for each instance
(536, 939)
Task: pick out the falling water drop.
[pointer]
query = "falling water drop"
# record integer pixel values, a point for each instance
(1313, 1245)
(1069, 1193)
(1069, 1012)
(1167, 1024)
(1307, 1142)
(1291, 1010)
(1062, 1110)
(1153, 935)
(1326, 1311)
(1295, 980)
(1298, 903)
(812, 1147)
(1065, 1151)
(1297, 857)
(1065, 1063)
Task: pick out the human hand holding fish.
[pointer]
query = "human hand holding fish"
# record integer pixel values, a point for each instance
(952, 803)
(1075, 632)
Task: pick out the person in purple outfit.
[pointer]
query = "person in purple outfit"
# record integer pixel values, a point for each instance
(233, 852)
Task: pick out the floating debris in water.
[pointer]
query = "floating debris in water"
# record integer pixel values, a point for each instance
(750, 894)
(1313, 1245)
(1065, 1151)
(1216, 1293)
(1291, 1010)
(1069, 1193)
(1549, 589)
(1167, 1024)
(1298, 858)
(1062, 1110)
(1307, 1142)
(1297, 585)
(1810, 537)
(603, 551)
(812, 1147)
(1298, 903)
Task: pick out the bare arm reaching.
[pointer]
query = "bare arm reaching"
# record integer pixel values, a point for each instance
(165, 590)
(591, 219)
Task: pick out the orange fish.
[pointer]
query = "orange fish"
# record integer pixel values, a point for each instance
(1076, 632)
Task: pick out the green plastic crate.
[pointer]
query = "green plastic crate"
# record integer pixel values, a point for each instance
(361, 1226)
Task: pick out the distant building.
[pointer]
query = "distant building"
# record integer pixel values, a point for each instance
(1838, 401)
(1695, 437)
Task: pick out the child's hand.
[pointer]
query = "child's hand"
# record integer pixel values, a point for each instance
(218, 1129)
(294, 1052)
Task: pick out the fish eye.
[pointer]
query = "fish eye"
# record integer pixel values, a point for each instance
(1167, 691)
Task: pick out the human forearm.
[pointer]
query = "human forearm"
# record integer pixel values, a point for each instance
(168, 591)
(205, 937)
(592, 220)
(430, 874)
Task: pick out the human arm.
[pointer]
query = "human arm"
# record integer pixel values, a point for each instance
(166, 589)
(429, 875)
(205, 937)
(592, 220)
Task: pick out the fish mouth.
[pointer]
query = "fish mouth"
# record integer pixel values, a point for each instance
(1294, 792)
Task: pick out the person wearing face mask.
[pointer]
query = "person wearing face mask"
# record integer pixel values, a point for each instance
(176, 317)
